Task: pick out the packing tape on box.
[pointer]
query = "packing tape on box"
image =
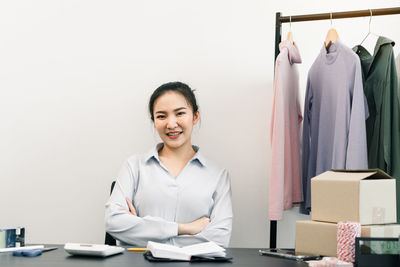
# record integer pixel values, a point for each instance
(389, 232)
(378, 215)
(11, 237)
(346, 240)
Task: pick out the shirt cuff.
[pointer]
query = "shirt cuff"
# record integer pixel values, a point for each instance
(171, 229)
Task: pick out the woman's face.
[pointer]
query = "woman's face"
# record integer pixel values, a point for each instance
(174, 119)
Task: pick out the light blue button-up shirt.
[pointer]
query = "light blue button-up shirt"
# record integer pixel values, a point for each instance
(162, 201)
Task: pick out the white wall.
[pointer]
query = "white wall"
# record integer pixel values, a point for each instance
(75, 78)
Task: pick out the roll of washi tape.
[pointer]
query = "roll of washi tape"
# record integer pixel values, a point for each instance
(332, 261)
(329, 262)
(346, 240)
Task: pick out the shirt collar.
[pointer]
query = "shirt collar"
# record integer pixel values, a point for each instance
(153, 154)
(366, 58)
(382, 40)
(363, 53)
(293, 51)
(332, 53)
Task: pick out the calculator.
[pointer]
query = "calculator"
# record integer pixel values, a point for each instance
(92, 249)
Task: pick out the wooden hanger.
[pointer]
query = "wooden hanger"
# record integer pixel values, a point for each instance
(331, 36)
(289, 36)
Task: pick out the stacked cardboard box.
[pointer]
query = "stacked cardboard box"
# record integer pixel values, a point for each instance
(365, 196)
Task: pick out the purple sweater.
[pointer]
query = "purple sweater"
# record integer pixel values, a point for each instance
(335, 110)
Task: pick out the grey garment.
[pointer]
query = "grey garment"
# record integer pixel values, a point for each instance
(335, 110)
(398, 74)
(162, 201)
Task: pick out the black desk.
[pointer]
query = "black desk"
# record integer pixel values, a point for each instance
(244, 257)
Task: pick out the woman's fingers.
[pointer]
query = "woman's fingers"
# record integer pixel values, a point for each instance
(132, 209)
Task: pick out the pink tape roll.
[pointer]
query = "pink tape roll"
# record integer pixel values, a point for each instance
(346, 240)
(329, 262)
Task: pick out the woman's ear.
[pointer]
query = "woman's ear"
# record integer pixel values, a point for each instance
(196, 117)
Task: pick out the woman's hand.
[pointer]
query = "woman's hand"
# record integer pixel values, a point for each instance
(194, 227)
(132, 209)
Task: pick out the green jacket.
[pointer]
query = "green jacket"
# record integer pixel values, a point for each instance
(383, 124)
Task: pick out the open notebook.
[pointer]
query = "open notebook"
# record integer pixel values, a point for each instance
(206, 250)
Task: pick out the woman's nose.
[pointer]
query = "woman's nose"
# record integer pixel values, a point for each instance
(172, 122)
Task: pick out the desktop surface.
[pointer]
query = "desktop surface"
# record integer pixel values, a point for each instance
(59, 258)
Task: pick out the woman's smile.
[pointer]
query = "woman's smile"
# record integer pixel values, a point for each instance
(174, 135)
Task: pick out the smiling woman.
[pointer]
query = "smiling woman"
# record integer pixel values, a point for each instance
(175, 113)
(172, 194)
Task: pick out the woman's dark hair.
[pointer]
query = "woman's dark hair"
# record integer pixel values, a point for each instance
(178, 87)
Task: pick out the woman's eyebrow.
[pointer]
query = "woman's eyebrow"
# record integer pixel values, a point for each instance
(175, 110)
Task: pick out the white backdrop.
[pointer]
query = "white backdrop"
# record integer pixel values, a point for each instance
(76, 76)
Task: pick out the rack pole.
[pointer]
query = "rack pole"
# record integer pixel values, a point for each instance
(342, 15)
(278, 33)
(311, 17)
(278, 37)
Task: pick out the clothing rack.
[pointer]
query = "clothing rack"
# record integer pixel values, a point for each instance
(310, 17)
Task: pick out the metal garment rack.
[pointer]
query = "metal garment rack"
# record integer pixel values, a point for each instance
(310, 17)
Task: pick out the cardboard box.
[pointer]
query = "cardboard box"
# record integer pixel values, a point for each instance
(381, 230)
(365, 196)
(319, 238)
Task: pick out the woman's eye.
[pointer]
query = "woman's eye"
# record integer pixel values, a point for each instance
(181, 113)
(160, 117)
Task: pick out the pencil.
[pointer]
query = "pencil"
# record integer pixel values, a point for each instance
(137, 249)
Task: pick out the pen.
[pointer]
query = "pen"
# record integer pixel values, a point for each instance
(137, 249)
